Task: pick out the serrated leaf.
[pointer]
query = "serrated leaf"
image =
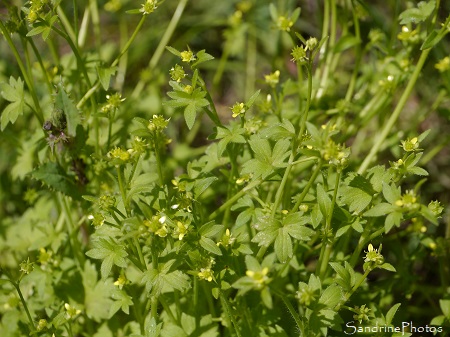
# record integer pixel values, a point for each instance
(299, 231)
(97, 293)
(54, 176)
(65, 104)
(283, 245)
(12, 92)
(202, 56)
(419, 14)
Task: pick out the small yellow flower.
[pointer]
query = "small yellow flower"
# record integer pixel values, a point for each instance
(42, 324)
(177, 73)
(181, 230)
(273, 78)
(148, 7)
(187, 56)
(121, 281)
(410, 145)
(205, 274)
(374, 255)
(443, 65)
(238, 109)
(284, 23)
(26, 266)
(260, 278)
(71, 312)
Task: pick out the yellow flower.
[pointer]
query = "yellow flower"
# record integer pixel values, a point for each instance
(238, 109)
(187, 56)
(443, 65)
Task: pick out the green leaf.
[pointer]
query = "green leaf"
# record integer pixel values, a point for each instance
(210, 245)
(419, 14)
(331, 296)
(190, 113)
(391, 313)
(388, 267)
(201, 185)
(380, 209)
(266, 297)
(97, 294)
(104, 75)
(346, 42)
(299, 231)
(393, 219)
(418, 171)
(391, 193)
(54, 176)
(283, 245)
(12, 92)
(202, 56)
(324, 201)
(173, 51)
(341, 231)
(65, 104)
(121, 301)
(252, 99)
(111, 252)
(210, 229)
(445, 307)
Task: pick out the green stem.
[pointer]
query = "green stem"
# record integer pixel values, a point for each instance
(24, 303)
(304, 117)
(292, 311)
(122, 189)
(355, 287)
(308, 186)
(280, 191)
(326, 249)
(73, 231)
(139, 250)
(162, 44)
(230, 316)
(41, 64)
(394, 117)
(37, 110)
(233, 199)
(158, 161)
(251, 64)
(130, 41)
(329, 50)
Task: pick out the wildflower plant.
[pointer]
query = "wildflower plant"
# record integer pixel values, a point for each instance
(156, 182)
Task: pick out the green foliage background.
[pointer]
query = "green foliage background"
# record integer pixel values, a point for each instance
(265, 195)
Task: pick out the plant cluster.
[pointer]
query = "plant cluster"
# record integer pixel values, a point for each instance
(222, 186)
